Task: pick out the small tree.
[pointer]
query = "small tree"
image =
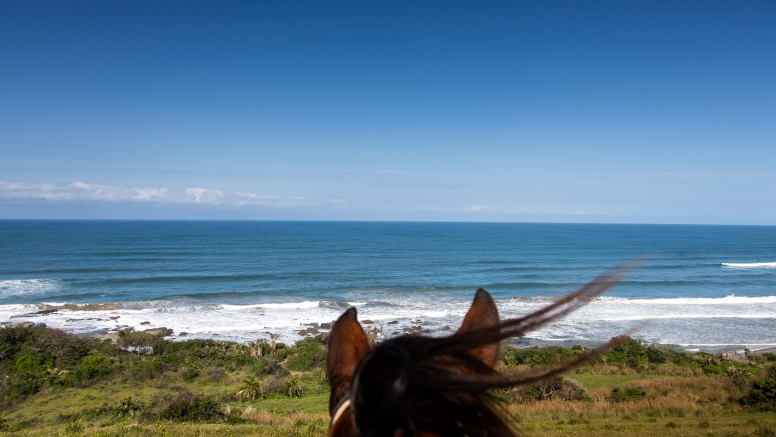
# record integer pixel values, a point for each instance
(293, 387)
(251, 389)
(373, 334)
(273, 338)
(257, 349)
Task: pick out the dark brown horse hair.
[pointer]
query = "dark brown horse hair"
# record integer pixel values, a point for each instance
(437, 385)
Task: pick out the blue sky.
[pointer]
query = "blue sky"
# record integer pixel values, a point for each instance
(630, 112)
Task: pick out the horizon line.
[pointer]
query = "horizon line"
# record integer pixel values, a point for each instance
(371, 221)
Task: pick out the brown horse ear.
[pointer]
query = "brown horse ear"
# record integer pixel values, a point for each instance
(482, 314)
(347, 345)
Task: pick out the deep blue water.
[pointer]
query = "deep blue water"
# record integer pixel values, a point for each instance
(165, 266)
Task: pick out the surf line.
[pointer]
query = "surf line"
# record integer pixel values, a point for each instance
(766, 265)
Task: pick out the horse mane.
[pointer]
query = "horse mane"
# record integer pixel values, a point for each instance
(438, 385)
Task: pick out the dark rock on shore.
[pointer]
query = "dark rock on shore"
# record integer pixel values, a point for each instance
(412, 329)
(35, 314)
(158, 332)
(30, 325)
(308, 331)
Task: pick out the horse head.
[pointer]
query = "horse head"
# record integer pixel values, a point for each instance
(348, 345)
(424, 386)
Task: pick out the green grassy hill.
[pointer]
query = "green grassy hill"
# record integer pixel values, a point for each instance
(59, 384)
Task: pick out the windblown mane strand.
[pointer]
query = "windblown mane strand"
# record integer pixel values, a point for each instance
(437, 385)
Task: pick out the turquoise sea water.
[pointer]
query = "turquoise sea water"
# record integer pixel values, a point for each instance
(706, 286)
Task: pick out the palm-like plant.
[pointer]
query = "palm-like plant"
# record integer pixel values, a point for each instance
(373, 334)
(273, 338)
(257, 349)
(251, 389)
(293, 387)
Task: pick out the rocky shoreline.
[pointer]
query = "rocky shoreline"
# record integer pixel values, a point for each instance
(383, 330)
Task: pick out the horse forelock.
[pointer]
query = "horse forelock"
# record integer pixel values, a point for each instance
(411, 386)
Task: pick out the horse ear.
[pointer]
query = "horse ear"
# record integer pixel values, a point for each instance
(347, 345)
(482, 314)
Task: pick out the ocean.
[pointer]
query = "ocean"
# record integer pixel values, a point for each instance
(705, 287)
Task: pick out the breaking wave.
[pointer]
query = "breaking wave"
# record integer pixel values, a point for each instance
(700, 321)
(768, 265)
(26, 287)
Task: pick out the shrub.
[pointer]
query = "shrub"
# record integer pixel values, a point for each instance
(537, 356)
(627, 394)
(629, 352)
(307, 354)
(62, 349)
(29, 364)
(658, 354)
(205, 353)
(139, 342)
(184, 406)
(214, 373)
(22, 385)
(274, 385)
(94, 366)
(11, 340)
(549, 389)
(281, 352)
(146, 370)
(189, 374)
(762, 394)
(269, 366)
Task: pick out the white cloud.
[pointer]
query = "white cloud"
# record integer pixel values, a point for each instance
(203, 195)
(83, 192)
(482, 208)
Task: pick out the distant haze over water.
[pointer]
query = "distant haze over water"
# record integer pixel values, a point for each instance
(708, 287)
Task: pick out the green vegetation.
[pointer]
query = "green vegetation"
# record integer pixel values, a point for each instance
(763, 392)
(146, 386)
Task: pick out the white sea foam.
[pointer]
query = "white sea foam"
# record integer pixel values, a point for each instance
(26, 287)
(292, 305)
(730, 320)
(768, 265)
(760, 345)
(727, 300)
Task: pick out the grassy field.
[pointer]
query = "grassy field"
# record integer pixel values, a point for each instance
(303, 425)
(150, 387)
(671, 406)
